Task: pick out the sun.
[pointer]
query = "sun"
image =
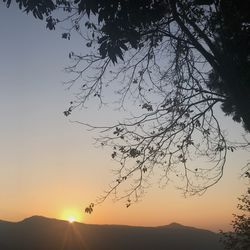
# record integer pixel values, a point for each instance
(72, 215)
(71, 219)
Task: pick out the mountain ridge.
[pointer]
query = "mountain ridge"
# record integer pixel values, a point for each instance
(42, 233)
(40, 217)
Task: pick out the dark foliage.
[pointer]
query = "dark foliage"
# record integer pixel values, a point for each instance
(239, 239)
(39, 8)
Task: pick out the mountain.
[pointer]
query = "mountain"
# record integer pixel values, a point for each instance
(40, 233)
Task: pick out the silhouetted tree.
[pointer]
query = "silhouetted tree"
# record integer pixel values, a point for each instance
(174, 60)
(240, 238)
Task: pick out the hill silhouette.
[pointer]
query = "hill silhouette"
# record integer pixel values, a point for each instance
(40, 233)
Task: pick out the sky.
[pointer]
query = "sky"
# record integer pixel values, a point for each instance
(50, 166)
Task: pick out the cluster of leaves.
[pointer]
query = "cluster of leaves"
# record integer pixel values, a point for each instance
(239, 239)
(39, 8)
(233, 43)
(43, 9)
(89, 209)
(122, 29)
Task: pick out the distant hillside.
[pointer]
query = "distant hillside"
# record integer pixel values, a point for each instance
(40, 233)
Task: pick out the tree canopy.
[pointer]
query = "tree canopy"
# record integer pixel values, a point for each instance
(176, 61)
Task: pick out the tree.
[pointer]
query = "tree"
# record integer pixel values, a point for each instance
(177, 61)
(240, 238)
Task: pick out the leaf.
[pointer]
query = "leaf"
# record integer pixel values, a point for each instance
(113, 155)
(147, 106)
(103, 50)
(123, 46)
(89, 209)
(66, 36)
(89, 44)
(102, 39)
(8, 3)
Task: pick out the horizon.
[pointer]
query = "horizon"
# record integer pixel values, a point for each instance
(52, 233)
(50, 165)
(94, 224)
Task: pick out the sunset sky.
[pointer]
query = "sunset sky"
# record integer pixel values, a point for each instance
(50, 166)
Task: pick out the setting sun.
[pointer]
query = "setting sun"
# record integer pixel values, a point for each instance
(72, 215)
(71, 219)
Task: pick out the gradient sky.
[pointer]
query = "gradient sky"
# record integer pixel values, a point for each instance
(50, 167)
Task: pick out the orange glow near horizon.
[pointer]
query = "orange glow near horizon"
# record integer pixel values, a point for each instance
(72, 215)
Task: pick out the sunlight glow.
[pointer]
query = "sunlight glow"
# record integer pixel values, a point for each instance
(71, 219)
(72, 215)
